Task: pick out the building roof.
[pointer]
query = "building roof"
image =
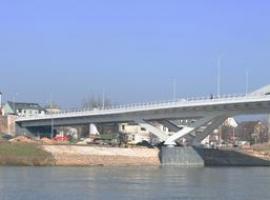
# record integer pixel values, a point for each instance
(18, 105)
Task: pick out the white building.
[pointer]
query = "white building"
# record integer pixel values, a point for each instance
(23, 109)
(137, 134)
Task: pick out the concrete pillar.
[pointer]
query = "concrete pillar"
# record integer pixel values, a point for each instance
(93, 130)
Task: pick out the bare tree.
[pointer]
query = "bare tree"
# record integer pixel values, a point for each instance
(94, 102)
(52, 105)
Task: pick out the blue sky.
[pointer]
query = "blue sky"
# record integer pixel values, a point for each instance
(66, 50)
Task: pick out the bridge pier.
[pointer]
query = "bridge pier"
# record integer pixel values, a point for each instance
(181, 156)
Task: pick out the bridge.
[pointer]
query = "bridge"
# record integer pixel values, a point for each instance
(198, 117)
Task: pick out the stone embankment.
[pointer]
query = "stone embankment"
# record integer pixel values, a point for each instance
(74, 155)
(232, 157)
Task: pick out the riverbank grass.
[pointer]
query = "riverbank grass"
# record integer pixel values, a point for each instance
(24, 154)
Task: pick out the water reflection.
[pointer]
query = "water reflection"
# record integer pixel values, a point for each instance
(134, 183)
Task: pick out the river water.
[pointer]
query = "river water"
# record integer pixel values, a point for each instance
(138, 183)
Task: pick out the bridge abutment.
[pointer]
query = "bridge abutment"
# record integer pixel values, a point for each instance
(33, 131)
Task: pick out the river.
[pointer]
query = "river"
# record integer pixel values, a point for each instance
(138, 183)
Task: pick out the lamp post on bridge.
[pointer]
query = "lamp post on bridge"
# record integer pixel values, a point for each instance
(247, 82)
(0, 103)
(219, 62)
(173, 88)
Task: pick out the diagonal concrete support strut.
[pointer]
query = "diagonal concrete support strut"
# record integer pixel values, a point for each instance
(152, 129)
(187, 130)
(182, 131)
(215, 123)
(171, 126)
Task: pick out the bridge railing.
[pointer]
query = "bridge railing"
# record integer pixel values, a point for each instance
(148, 105)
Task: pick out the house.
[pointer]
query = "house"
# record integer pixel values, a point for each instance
(23, 109)
(253, 131)
(52, 110)
(137, 134)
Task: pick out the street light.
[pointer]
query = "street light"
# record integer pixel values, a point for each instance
(174, 88)
(219, 62)
(247, 82)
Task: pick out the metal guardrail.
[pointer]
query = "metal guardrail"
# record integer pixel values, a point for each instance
(197, 101)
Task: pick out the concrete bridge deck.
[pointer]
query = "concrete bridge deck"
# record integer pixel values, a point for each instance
(205, 114)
